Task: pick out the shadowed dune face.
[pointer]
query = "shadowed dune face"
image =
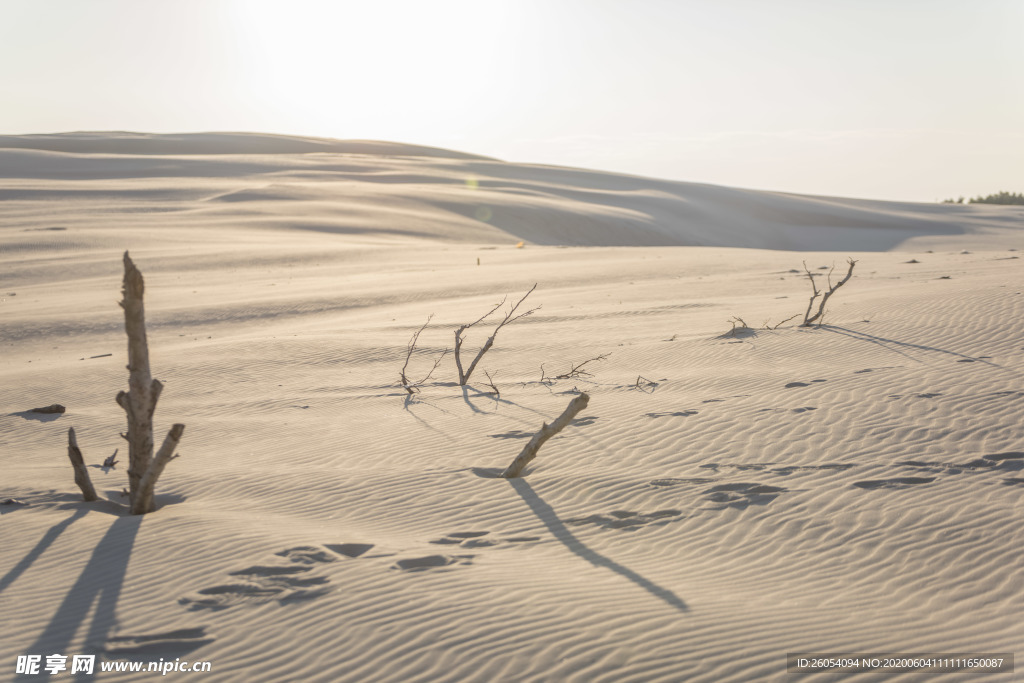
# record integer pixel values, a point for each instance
(378, 189)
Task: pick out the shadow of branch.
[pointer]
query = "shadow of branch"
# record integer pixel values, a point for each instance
(547, 515)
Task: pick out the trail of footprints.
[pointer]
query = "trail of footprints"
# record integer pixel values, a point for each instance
(285, 583)
(300, 576)
(740, 495)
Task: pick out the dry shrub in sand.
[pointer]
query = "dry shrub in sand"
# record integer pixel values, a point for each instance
(413, 387)
(510, 317)
(575, 370)
(139, 402)
(819, 316)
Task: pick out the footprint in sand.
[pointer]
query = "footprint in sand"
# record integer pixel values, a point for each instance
(284, 583)
(672, 481)
(514, 434)
(416, 564)
(783, 470)
(894, 483)
(1013, 460)
(627, 519)
(677, 413)
(168, 644)
(793, 385)
(475, 539)
(720, 400)
(741, 495)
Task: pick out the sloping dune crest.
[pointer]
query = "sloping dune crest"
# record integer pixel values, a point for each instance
(440, 195)
(725, 499)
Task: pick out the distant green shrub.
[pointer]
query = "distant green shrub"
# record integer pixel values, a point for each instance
(1001, 198)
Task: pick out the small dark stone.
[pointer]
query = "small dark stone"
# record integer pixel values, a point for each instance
(47, 410)
(13, 501)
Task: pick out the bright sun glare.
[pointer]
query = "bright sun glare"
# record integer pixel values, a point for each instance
(354, 66)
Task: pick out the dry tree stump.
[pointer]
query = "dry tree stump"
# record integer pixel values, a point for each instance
(139, 402)
(547, 431)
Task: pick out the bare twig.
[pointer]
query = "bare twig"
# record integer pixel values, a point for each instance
(809, 319)
(577, 371)
(490, 383)
(413, 387)
(81, 473)
(529, 451)
(642, 383)
(780, 323)
(739, 327)
(510, 317)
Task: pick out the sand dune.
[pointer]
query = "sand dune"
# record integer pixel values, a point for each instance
(384, 190)
(851, 488)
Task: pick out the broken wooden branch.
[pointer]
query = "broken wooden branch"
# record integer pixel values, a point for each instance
(139, 402)
(818, 317)
(111, 460)
(142, 502)
(53, 409)
(81, 473)
(547, 431)
(510, 317)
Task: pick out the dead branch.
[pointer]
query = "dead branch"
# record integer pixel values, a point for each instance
(780, 323)
(139, 402)
(510, 317)
(643, 383)
(739, 328)
(547, 431)
(544, 379)
(111, 460)
(490, 383)
(413, 387)
(144, 496)
(577, 371)
(78, 462)
(809, 319)
(54, 409)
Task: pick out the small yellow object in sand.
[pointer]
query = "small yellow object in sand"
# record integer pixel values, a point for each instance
(520, 245)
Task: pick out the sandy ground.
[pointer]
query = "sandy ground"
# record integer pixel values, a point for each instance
(723, 501)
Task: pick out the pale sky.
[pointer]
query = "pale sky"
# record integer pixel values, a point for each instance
(887, 99)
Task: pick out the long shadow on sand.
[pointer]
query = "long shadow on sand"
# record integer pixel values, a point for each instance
(45, 542)
(896, 346)
(100, 583)
(547, 515)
